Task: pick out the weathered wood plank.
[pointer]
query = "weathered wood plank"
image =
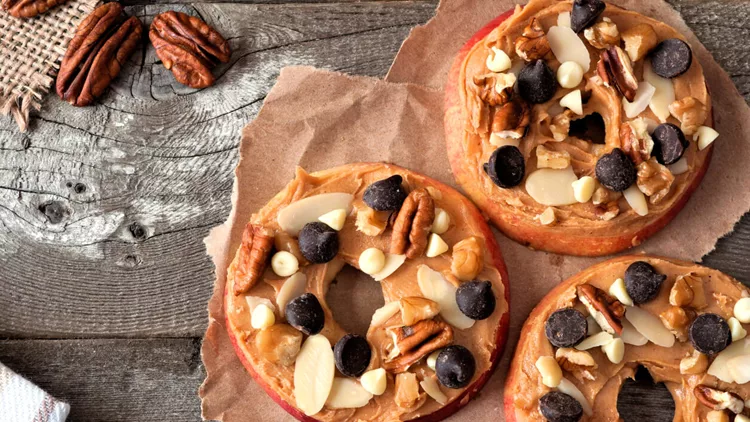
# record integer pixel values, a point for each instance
(102, 210)
(114, 380)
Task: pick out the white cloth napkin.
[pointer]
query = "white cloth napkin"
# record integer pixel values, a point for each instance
(22, 401)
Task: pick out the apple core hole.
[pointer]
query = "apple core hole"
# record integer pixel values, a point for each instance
(589, 128)
(643, 399)
(353, 297)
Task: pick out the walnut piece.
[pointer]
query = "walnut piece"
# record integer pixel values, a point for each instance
(370, 222)
(607, 211)
(636, 141)
(467, 260)
(654, 180)
(694, 283)
(718, 400)
(407, 390)
(639, 41)
(511, 119)
(694, 364)
(605, 309)
(546, 158)
(603, 35)
(690, 112)
(415, 309)
(279, 343)
(494, 89)
(560, 126)
(257, 242)
(681, 293)
(677, 320)
(580, 363)
(412, 343)
(412, 226)
(533, 43)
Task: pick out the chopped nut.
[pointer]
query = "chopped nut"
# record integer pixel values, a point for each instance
(620, 71)
(639, 41)
(468, 259)
(546, 158)
(677, 320)
(694, 364)
(412, 343)
(549, 370)
(533, 44)
(580, 363)
(606, 310)
(548, 217)
(681, 293)
(511, 119)
(690, 112)
(603, 35)
(407, 390)
(252, 257)
(654, 180)
(718, 400)
(415, 309)
(434, 193)
(717, 416)
(636, 141)
(487, 88)
(413, 224)
(607, 211)
(279, 343)
(695, 283)
(370, 222)
(560, 126)
(705, 136)
(603, 195)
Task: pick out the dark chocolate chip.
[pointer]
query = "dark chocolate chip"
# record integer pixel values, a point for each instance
(616, 171)
(475, 299)
(305, 314)
(669, 143)
(671, 58)
(536, 82)
(318, 242)
(455, 366)
(560, 407)
(642, 282)
(584, 13)
(386, 194)
(566, 327)
(710, 334)
(352, 355)
(506, 167)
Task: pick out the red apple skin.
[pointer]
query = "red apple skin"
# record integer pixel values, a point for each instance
(518, 229)
(501, 334)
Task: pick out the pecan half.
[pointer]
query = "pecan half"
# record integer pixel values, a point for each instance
(257, 242)
(606, 310)
(29, 8)
(690, 112)
(511, 119)
(635, 140)
(189, 47)
(620, 71)
(717, 399)
(468, 259)
(654, 180)
(412, 343)
(103, 42)
(412, 225)
(407, 391)
(494, 89)
(533, 43)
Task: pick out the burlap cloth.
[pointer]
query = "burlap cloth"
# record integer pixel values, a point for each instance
(30, 54)
(319, 119)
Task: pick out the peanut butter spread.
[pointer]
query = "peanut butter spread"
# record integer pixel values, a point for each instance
(699, 290)
(545, 138)
(484, 339)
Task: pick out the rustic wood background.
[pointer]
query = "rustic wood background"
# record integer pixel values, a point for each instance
(103, 275)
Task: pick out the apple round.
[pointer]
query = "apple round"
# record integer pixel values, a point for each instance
(665, 334)
(381, 220)
(606, 149)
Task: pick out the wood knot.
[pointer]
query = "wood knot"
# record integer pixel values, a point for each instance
(55, 211)
(138, 231)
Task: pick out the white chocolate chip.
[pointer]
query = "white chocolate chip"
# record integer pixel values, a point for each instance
(615, 350)
(735, 326)
(498, 61)
(284, 263)
(432, 359)
(335, 219)
(436, 246)
(547, 218)
(442, 221)
(637, 200)
(563, 19)
(550, 371)
(294, 216)
(705, 136)
(741, 418)
(374, 381)
(679, 167)
(742, 310)
(597, 340)
(371, 261)
(583, 189)
(500, 141)
(573, 101)
(617, 289)
(262, 317)
(569, 75)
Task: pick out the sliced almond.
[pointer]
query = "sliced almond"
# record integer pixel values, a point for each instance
(663, 95)
(549, 370)
(313, 374)
(432, 359)
(597, 340)
(583, 189)
(679, 167)
(382, 315)
(650, 326)
(552, 187)
(570, 389)
(499, 140)
(636, 199)
(643, 97)
(294, 216)
(347, 393)
(563, 19)
(392, 263)
(436, 288)
(739, 368)
(294, 286)
(630, 335)
(568, 46)
(375, 381)
(720, 366)
(442, 221)
(618, 290)
(431, 387)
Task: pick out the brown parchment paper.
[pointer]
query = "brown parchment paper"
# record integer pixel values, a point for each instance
(318, 119)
